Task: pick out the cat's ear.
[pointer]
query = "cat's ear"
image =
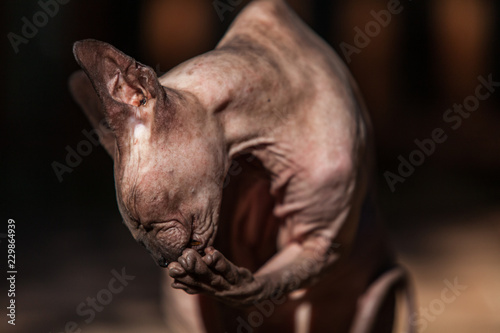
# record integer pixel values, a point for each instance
(84, 94)
(123, 85)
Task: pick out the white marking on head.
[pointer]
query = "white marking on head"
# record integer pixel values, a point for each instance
(140, 132)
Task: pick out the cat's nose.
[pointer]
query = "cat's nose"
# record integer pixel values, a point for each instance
(162, 262)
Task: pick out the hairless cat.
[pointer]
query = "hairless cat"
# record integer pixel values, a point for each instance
(292, 243)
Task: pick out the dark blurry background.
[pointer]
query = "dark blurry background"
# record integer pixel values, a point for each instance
(444, 219)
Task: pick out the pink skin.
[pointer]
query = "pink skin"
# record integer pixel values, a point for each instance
(273, 89)
(171, 153)
(169, 204)
(168, 201)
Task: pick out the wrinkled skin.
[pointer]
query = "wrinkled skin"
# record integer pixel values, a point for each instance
(303, 230)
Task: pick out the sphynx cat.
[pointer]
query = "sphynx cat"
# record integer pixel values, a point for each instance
(291, 242)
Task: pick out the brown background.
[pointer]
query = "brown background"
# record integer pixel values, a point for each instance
(444, 219)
